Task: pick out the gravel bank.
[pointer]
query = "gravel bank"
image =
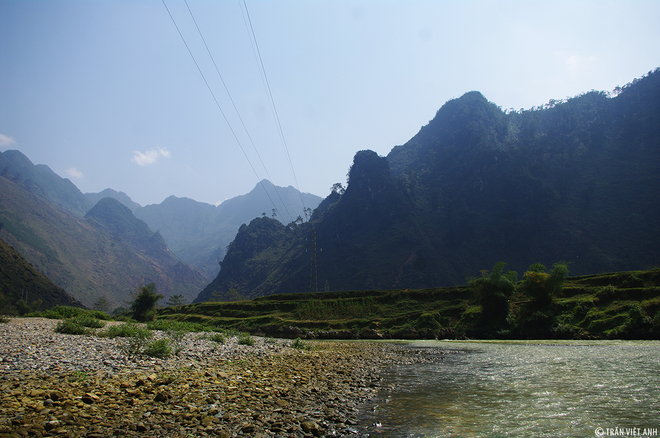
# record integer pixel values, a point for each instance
(53, 384)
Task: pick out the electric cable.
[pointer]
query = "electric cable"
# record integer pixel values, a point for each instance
(255, 48)
(236, 109)
(218, 105)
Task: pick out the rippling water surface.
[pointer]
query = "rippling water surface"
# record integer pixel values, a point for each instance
(552, 388)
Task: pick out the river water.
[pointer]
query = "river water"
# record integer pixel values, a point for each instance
(522, 388)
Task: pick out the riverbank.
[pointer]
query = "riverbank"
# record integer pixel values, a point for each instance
(54, 384)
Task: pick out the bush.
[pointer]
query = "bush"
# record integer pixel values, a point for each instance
(159, 348)
(176, 338)
(299, 344)
(126, 330)
(88, 321)
(217, 337)
(136, 344)
(245, 339)
(71, 327)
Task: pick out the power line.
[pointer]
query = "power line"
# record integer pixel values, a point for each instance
(271, 100)
(236, 109)
(218, 104)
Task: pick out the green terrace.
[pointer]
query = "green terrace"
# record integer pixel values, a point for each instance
(610, 305)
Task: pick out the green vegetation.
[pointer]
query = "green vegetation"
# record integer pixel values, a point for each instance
(126, 330)
(299, 344)
(217, 337)
(158, 348)
(69, 327)
(245, 339)
(176, 300)
(541, 305)
(78, 325)
(144, 305)
(78, 376)
(63, 312)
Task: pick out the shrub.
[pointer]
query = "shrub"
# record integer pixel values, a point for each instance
(176, 338)
(88, 321)
(71, 327)
(299, 344)
(245, 339)
(217, 337)
(136, 344)
(159, 348)
(126, 330)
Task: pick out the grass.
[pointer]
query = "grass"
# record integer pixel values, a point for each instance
(126, 330)
(171, 325)
(64, 312)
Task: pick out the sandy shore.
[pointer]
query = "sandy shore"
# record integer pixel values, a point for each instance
(66, 385)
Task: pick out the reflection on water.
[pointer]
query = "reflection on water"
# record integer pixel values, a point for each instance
(548, 389)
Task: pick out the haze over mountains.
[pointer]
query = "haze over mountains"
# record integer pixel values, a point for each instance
(575, 181)
(93, 245)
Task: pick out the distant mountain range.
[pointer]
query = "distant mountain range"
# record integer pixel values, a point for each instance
(199, 233)
(93, 245)
(576, 180)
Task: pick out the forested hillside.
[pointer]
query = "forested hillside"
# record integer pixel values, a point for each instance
(575, 180)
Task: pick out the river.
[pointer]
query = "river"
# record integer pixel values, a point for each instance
(522, 388)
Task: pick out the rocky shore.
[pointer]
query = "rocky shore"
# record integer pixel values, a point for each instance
(53, 384)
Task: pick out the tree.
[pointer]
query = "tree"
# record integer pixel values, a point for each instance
(102, 304)
(176, 300)
(144, 304)
(541, 286)
(337, 188)
(492, 293)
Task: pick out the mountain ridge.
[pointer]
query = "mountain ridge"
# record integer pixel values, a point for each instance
(574, 180)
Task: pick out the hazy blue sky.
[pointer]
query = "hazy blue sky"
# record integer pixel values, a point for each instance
(106, 94)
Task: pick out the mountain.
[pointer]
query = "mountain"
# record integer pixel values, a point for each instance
(106, 253)
(575, 180)
(23, 288)
(198, 233)
(43, 182)
(122, 197)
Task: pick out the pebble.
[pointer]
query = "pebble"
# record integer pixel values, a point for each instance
(75, 386)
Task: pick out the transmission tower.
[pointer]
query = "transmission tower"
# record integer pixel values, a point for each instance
(313, 280)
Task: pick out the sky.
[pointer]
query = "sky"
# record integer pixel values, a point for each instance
(107, 94)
